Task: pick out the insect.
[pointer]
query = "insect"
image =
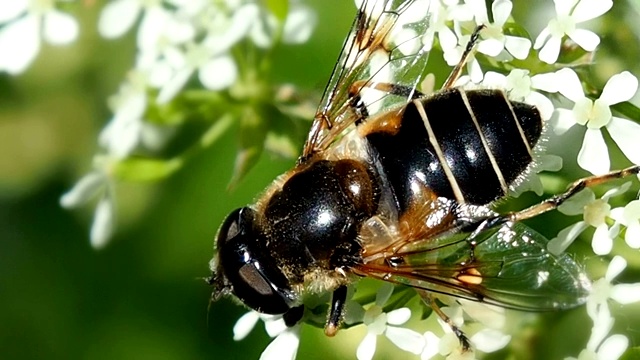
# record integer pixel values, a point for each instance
(397, 185)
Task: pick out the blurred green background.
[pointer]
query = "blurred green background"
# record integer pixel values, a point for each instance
(143, 296)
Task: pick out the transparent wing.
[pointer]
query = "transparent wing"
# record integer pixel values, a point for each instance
(384, 46)
(508, 266)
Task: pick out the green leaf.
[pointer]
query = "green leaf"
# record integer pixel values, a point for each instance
(515, 29)
(217, 130)
(628, 109)
(280, 8)
(631, 354)
(145, 169)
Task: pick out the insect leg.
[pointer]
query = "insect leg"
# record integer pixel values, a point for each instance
(337, 308)
(429, 300)
(455, 73)
(557, 200)
(394, 89)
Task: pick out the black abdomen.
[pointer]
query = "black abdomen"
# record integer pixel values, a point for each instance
(463, 145)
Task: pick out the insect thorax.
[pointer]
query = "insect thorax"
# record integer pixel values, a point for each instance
(311, 222)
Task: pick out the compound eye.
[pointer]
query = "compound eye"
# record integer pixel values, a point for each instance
(249, 267)
(232, 225)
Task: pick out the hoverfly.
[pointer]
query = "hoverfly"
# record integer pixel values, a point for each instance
(397, 185)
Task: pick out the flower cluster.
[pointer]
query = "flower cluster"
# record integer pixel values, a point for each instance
(23, 26)
(177, 41)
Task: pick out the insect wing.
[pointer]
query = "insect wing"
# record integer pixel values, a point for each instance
(384, 46)
(508, 266)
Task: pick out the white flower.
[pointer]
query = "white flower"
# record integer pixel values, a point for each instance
(521, 87)
(602, 290)
(569, 13)
(629, 216)
(595, 115)
(378, 322)
(599, 348)
(286, 339)
(297, 28)
(488, 339)
(127, 129)
(95, 184)
(22, 23)
(595, 213)
(440, 13)
(494, 40)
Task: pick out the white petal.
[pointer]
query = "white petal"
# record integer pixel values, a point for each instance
(173, 86)
(383, 294)
(575, 204)
(562, 121)
(490, 340)
(117, 17)
(565, 237)
(9, 10)
(275, 325)
(299, 25)
(283, 347)
(602, 243)
(517, 46)
(620, 87)
(569, 84)
(405, 339)
(474, 70)
(398, 316)
(244, 325)
(490, 47)
(354, 313)
(602, 324)
(479, 9)
(367, 347)
(564, 6)
(83, 190)
(550, 51)
(121, 136)
(103, 223)
(541, 39)
(613, 347)
(431, 346)
(244, 19)
(590, 9)
(494, 80)
(594, 156)
(219, 73)
(632, 235)
(616, 266)
(153, 23)
(587, 39)
(546, 82)
(626, 293)
(618, 190)
(447, 38)
(59, 28)
(19, 44)
(626, 134)
(501, 10)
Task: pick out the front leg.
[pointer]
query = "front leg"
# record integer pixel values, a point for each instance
(336, 313)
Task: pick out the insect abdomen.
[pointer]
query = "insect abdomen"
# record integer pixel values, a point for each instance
(463, 145)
